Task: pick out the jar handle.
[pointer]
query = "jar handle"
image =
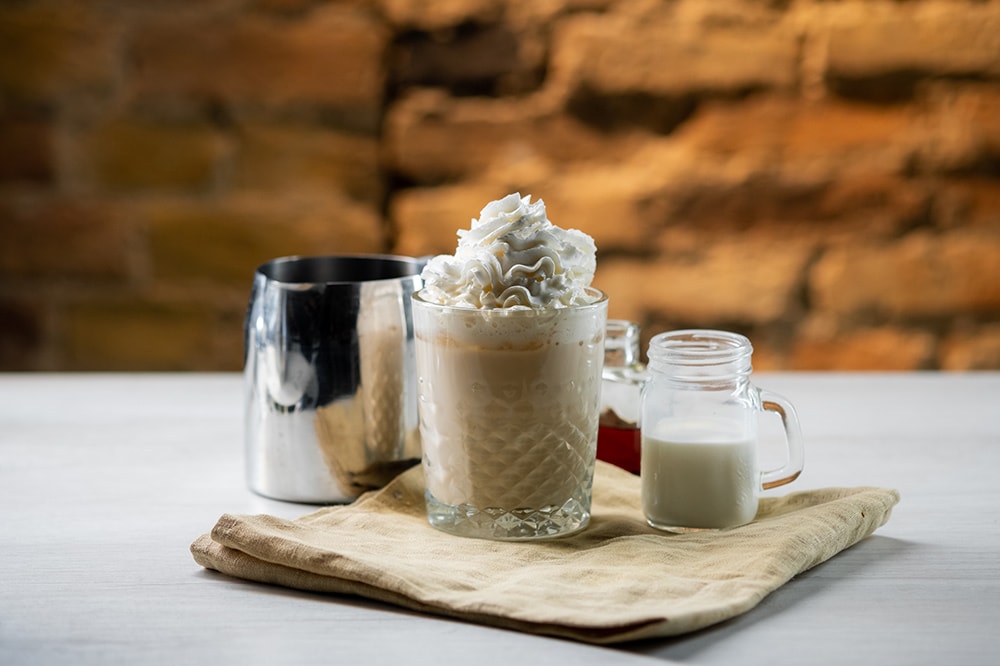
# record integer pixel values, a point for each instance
(773, 402)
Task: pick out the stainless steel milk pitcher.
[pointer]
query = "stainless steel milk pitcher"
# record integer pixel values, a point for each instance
(329, 373)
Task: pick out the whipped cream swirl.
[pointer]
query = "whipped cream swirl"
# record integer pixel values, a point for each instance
(514, 257)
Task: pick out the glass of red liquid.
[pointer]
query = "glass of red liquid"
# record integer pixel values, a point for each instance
(618, 435)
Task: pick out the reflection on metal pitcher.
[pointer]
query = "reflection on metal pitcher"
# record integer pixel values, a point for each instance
(331, 394)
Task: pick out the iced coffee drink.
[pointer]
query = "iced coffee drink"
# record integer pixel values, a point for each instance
(509, 348)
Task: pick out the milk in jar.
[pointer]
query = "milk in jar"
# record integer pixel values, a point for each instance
(697, 474)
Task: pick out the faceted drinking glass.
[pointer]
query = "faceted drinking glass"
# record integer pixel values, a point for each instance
(508, 401)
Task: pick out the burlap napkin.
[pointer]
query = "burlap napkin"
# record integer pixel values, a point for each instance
(617, 580)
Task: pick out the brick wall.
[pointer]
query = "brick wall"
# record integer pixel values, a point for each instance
(823, 176)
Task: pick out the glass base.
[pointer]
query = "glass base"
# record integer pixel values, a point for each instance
(681, 530)
(521, 524)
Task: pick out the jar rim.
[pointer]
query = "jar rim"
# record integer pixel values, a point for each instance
(699, 346)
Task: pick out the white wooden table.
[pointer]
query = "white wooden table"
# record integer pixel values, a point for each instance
(106, 479)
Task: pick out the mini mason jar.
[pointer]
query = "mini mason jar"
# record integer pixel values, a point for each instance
(699, 433)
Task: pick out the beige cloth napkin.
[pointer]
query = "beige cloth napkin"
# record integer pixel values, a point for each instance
(617, 580)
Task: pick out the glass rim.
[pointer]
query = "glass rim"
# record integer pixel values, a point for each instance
(521, 311)
(626, 327)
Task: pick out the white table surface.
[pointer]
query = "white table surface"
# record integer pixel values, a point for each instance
(105, 479)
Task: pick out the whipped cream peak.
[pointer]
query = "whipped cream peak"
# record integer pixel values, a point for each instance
(514, 257)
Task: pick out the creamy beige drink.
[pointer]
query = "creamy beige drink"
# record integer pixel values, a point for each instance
(509, 350)
(509, 414)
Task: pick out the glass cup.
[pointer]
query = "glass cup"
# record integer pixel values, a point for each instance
(618, 437)
(699, 423)
(509, 401)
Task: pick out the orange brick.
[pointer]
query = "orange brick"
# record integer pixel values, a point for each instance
(430, 137)
(867, 39)
(487, 56)
(52, 50)
(751, 281)
(21, 335)
(289, 158)
(814, 141)
(430, 16)
(26, 150)
(223, 244)
(289, 6)
(921, 275)
(962, 128)
(695, 207)
(664, 53)
(138, 334)
(226, 344)
(140, 155)
(971, 202)
(330, 56)
(608, 203)
(426, 220)
(65, 238)
(976, 349)
(883, 348)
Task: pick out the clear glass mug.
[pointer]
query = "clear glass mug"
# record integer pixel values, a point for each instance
(699, 422)
(508, 401)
